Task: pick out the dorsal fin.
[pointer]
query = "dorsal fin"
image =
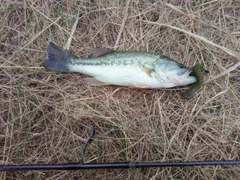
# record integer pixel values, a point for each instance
(97, 52)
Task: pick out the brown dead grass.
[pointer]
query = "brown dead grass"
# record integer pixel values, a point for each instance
(46, 117)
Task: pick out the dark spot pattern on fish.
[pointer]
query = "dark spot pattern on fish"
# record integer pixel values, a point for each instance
(87, 63)
(83, 62)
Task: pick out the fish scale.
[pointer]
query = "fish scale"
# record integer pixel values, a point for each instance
(119, 58)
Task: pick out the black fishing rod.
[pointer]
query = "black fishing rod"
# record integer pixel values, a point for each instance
(82, 165)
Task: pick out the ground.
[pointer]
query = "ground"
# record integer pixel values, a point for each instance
(46, 117)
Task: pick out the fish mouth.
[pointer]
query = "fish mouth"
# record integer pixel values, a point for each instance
(187, 73)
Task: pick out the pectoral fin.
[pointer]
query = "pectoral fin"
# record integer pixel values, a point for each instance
(96, 52)
(95, 82)
(147, 70)
(140, 85)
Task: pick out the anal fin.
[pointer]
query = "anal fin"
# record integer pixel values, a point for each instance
(95, 82)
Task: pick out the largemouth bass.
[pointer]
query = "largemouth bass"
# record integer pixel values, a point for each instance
(135, 69)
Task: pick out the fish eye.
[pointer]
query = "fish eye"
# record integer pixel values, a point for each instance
(181, 65)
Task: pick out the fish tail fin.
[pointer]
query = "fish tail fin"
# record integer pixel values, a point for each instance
(57, 58)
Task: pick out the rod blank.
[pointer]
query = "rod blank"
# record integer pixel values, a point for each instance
(82, 166)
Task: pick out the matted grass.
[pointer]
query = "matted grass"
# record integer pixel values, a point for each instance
(46, 117)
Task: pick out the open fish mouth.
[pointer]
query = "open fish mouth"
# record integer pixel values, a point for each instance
(187, 73)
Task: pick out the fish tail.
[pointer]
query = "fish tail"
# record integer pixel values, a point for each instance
(58, 59)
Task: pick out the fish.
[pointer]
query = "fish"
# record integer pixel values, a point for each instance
(123, 68)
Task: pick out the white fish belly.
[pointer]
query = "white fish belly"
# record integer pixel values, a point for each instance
(120, 75)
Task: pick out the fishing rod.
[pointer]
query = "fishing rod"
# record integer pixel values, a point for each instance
(82, 165)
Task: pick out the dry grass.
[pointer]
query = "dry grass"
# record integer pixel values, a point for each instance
(46, 117)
